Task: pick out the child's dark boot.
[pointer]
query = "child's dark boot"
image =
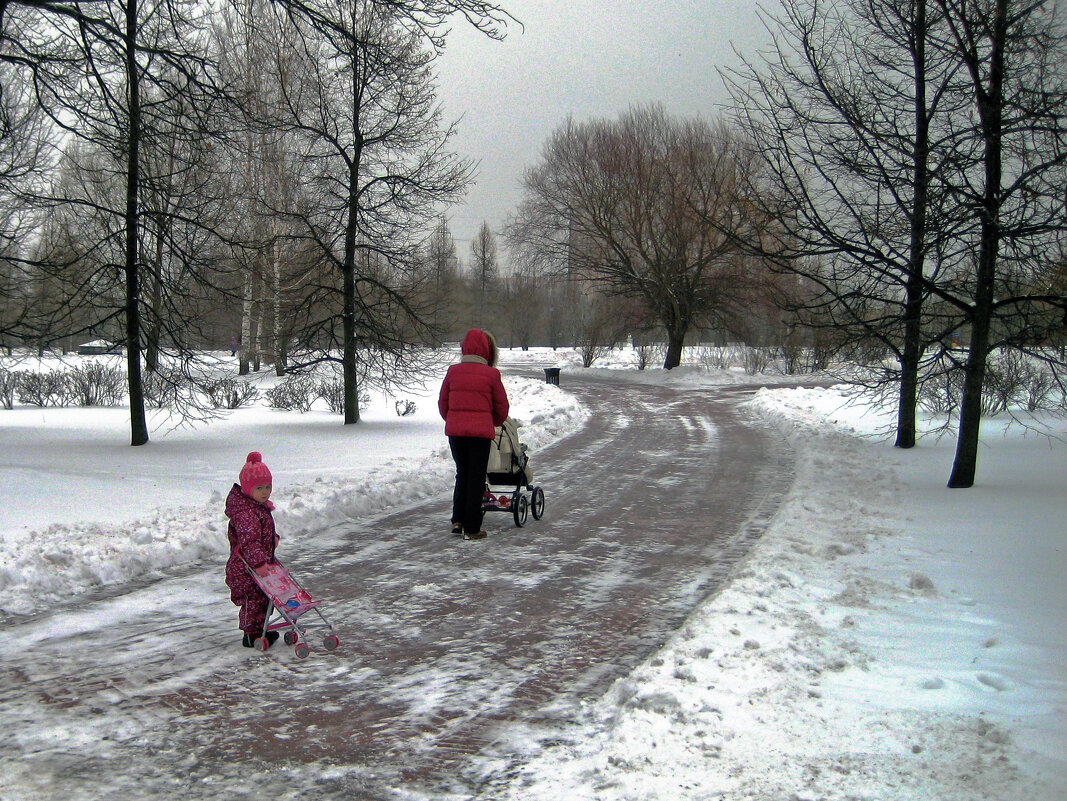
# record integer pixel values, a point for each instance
(249, 640)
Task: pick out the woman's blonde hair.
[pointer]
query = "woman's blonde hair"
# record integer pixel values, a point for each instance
(494, 351)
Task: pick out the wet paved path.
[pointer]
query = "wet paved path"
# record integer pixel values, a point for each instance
(453, 652)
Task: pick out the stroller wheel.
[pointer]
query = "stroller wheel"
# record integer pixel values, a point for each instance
(330, 641)
(302, 650)
(520, 508)
(537, 503)
(291, 637)
(261, 643)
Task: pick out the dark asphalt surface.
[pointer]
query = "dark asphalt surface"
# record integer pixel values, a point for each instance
(453, 653)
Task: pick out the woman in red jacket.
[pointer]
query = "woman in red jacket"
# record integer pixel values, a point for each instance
(472, 402)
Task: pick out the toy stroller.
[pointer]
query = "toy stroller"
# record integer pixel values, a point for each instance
(509, 465)
(290, 601)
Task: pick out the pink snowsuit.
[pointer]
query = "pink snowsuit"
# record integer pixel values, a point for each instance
(252, 534)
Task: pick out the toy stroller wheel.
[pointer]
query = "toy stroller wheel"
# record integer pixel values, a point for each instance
(302, 650)
(330, 641)
(291, 637)
(261, 643)
(520, 508)
(537, 503)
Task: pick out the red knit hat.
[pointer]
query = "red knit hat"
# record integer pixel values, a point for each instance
(254, 473)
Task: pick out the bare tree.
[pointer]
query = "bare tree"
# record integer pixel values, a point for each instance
(526, 300)
(1015, 59)
(639, 206)
(379, 164)
(876, 136)
(485, 271)
(110, 74)
(24, 159)
(841, 114)
(266, 178)
(442, 269)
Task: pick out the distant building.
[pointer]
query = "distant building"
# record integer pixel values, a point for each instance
(97, 347)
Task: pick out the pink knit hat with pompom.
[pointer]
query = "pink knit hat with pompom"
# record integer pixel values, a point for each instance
(254, 473)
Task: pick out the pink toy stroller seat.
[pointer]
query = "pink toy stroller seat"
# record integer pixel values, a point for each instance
(288, 602)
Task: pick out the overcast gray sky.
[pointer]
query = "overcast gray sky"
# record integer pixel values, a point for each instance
(580, 58)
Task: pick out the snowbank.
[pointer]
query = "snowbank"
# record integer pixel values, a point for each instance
(884, 641)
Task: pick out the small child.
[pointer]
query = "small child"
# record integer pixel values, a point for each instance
(252, 535)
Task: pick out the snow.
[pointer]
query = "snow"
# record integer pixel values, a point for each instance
(886, 639)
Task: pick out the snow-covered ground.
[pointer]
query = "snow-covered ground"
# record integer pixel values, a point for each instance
(888, 638)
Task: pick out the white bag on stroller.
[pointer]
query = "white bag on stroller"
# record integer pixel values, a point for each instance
(509, 466)
(508, 462)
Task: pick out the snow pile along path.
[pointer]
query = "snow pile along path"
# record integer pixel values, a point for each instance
(809, 638)
(325, 473)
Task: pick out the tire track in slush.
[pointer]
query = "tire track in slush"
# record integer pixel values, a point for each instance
(451, 648)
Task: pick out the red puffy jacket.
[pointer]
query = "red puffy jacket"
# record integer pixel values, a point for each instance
(252, 534)
(472, 400)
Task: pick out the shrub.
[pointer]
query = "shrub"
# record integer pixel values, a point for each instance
(229, 393)
(405, 408)
(794, 358)
(332, 390)
(649, 354)
(757, 360)
(162, 390)
(716, 357)
(1041, 392)
(42, 389)
(95, 385)
(591, 352)
(296, 393)
(1013, 381)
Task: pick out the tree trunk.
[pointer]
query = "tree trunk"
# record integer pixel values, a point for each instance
(246, 326)
(138, 423)
(675, 344)
(990, 110)
(351, 388)
(280, 355)
(911, 351)
(907, 400)
(152, 345)
(257, 332)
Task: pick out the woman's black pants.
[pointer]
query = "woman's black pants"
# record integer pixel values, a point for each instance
(471, 455)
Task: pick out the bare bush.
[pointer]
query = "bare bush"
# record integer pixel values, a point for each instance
(405, 408)
(1014, 381)
(42, 389)
(164, 390)
(1042, 392)
(95, 385)
(719, 357)
(794, 358)
(332, 390)
(295, 394)
(229, 393)
(649, 354)
(591, 352)
(757, 360)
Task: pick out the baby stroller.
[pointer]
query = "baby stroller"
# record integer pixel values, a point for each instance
(289, 601)
(509, 466)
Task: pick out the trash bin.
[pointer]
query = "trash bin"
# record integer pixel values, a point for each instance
(552, 375)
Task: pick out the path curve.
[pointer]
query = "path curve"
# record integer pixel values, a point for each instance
(454, 654)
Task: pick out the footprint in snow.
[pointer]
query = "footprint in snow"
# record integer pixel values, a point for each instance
(994, 681)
